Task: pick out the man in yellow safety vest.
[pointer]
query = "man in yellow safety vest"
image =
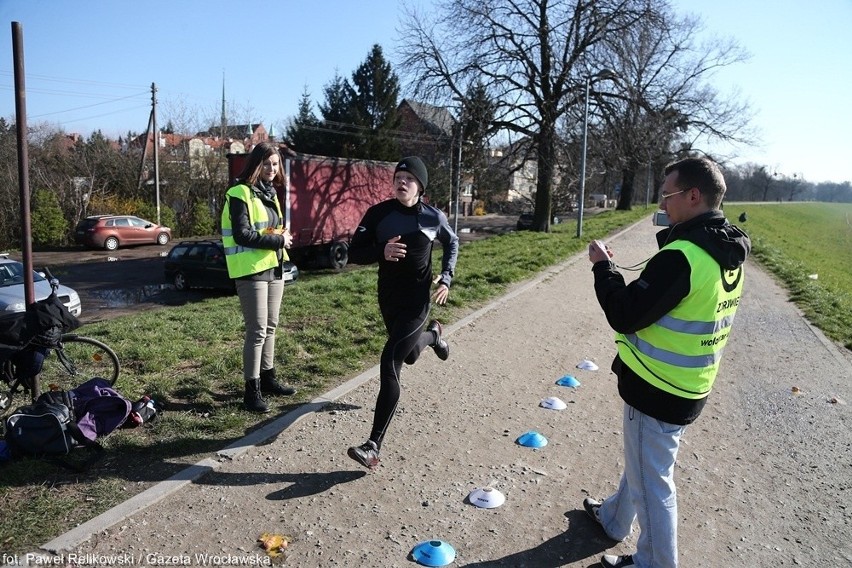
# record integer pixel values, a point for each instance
(672, 324)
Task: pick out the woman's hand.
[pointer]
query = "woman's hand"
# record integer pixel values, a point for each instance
(285, 232)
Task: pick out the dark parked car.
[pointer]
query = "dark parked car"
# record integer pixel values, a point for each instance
(525, 222)
(201, 264)
(113, 231)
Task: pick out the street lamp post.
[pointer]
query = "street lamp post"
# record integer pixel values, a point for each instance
(461, 102)
(602, 74)
(458, 183)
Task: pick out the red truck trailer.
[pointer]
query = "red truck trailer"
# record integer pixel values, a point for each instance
(323, 201)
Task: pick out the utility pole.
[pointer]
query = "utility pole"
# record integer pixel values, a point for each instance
(156, 147)
(23, 163)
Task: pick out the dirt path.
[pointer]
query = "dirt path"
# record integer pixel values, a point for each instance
(763, 476)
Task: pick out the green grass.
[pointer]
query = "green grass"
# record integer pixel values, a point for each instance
(797, 240)
(189, 357)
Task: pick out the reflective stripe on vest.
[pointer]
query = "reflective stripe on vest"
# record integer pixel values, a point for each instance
(243, 261)
(680, 352)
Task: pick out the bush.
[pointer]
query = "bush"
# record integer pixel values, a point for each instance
(202, 222)
(49, 227)
(148, 211)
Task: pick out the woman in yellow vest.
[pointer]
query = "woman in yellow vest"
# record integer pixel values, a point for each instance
(671, 326)
(255, 239)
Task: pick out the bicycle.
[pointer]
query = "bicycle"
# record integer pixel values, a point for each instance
(26, 366)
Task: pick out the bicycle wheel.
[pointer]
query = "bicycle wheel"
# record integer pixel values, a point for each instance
(77, 360)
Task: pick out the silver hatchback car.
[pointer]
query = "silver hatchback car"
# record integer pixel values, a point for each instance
(12, 298)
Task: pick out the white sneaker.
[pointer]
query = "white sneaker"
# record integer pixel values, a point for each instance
(612, 561)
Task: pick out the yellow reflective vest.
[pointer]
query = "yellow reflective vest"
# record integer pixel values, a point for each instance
(244, 261)
(680, 352)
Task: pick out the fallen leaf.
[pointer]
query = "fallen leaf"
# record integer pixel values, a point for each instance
(273, 544)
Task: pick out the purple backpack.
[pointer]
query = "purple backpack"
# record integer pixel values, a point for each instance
(98, 408)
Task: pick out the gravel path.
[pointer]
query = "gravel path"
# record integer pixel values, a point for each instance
(763, 476)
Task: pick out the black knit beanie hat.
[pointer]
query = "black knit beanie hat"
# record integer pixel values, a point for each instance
(415, 167)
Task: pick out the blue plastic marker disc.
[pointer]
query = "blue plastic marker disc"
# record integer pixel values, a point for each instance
(532, 439)
(568, 381)
(433, 553)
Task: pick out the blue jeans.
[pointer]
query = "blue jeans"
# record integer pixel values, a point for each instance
(647, 490)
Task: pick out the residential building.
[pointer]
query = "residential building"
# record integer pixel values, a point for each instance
(430, 131)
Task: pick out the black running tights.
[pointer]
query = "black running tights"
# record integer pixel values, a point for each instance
(406, 340)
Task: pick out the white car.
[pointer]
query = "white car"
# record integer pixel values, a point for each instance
(12, 296)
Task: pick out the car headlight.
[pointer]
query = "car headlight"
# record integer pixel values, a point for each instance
(15, 307)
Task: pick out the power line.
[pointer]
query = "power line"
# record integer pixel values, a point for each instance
(86, 106)
(104, 99)
(146, 106)
(107, 98)
(75, 81)
(346, 128)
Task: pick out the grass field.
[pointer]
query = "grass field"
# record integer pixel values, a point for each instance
(808, 246)
(190, 356)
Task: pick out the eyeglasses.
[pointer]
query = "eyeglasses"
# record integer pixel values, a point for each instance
(664, 196)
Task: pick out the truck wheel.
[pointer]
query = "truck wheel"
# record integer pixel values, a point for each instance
(338, 255)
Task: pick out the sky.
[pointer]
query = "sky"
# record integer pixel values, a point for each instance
(89, 65)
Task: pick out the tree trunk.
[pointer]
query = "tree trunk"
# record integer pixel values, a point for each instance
(625, 199)
(544, 184)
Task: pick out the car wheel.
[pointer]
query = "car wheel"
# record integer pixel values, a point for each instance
(338, 255)
(111, 243)
(181, 282)
(162, 238)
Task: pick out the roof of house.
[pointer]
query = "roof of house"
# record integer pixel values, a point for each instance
(436, 119)
(236, 131)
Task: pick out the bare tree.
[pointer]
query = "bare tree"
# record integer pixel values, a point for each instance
(763, 181)
(10, 202)
(531, 55)
(661, 102)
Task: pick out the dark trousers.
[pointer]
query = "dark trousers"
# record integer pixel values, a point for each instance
(406, 340)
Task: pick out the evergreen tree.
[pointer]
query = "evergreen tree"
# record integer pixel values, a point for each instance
(202, 221)
(477, 129)
(337, 120)
(373, 103)
(49, 226)
(303, 132)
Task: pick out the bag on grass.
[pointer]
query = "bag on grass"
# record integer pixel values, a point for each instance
(44, 428)
(60, 420)
(99, 408)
